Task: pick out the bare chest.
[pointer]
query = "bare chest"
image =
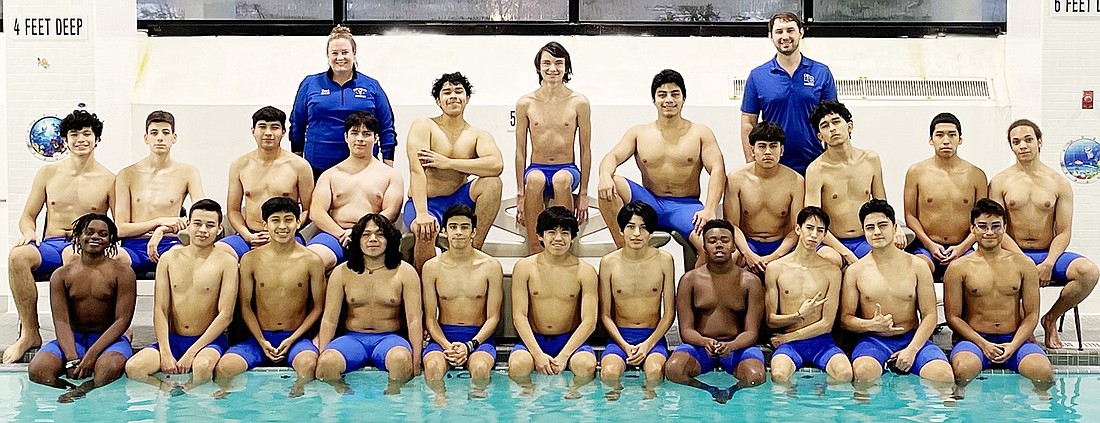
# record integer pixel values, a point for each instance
(632, 280)
(373, 292)
(552, 115)
(554, 283)
(848, 180)
(682, 152)
(718, 297)
(262, 182)
(81, 193)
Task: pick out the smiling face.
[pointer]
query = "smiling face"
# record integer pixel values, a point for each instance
(1025, 145)
(452, 99)
(945, 139)
(160, 138)
(95, 239)
(556, 241)
(204, 227)
(552, 69)
(373, 242)
(341, 55)
(878, 230)
(80, 142)
(669, 99)
(785, 35)
(281, 226)
(989, 229)
(718, 245)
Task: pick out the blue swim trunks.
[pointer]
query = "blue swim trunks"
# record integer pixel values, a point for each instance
(1058, 276)
(253, 354)
(881, 348)
(438, 205)
(673, 213)
(360, 349)
(240, 246)
(728, 363)
(459, 333)
(552, 345)
(940, 268)
(763, 248)
(857, 246)
(817, 350)
(85, 341)
(138, 250)
(326, 239)
(635, 336)
(50, 250)
(1028, 348)
(549, 170)
(180, 344)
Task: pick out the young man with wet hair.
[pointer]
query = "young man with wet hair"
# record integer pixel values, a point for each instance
(637, 304)
(671, 153)
(939, 193)
(92, 302)
(194, 297)
(381, 295)
(266, 172)
(784, 90)
(554, 116)
(1039, 202)
(68, 189)
(719, 307)
(281, 296)
(358, 185)
(444, 152)
(888, 298)
(463, 292)
(991, 299)
(762, 200)
(150, 194)
(802, 294)
(555, 305)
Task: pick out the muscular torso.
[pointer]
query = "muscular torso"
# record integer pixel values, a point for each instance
(155, 193)
(261, 181)
(195, 284)
(1031, 202)
(944, 200)
(463, 289)
(636, 289)
(845, 187)
(358, 191)
(765, 203)
(374, 302)
(462, 145)
(553, 125)
(992, 292)
(719, 303)
(92, 293)
(891, 285)
(554, 298)
(71, 194)
(281, 288)
(670, 161)
(797, 283)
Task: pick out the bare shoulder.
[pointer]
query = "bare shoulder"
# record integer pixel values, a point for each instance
(296, 161)
(790, 175)
(664, 256)
(738, 173)
(171, 256)
(585, 269)
(481, 259)
(525, 100)
(578, 99)
(423, 123)
(918, 168)
(702, 130)
(749, 280)
(225, 259)
(304, 255)
(872, 155)
(613, 257)
(121, 269)
(406, 272)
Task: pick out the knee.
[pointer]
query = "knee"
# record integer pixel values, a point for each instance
(535, 182)
(841, 372)
(583, 364)
(781, 373)
(135, 368)
(654, 367)
(753, 375)
(938, 371)
(399, 358)
(329, 364)
(864, 370)
(305, 362)
(611, 369)
(1089, 273)
(965, 366)
(562, 181)
(1037, 368)
(520, 363)
(490, 184)
(23, 256)
(435, 367)
(479, 368)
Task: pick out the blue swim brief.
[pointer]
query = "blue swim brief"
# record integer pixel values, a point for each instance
(360, 349)
(179, 344)
(763, 248)
(549, 170)
(1058, 275)
(634, 336)
(817, 350)
(438, 205)
(881, 348)
(460, 333)
(940, 268)
(240, 246)
(673, 213)
(728, 363)
(326, 239)
(138, 250)
(50, 250)
(553, 344)
(85, 341)
(1028, 348)
(857, 245)
(253, 354)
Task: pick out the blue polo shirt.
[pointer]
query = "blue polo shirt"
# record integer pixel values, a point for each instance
(788, 100)
(322, 105)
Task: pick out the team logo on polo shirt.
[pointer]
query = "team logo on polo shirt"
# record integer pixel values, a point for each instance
(360, 92)
(324, 91)
(807, 80)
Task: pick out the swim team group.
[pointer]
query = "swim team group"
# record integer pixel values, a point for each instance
(808, 247)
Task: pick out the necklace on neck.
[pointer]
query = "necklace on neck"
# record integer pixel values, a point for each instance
(371, 271)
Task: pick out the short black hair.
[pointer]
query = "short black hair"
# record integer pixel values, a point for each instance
(667, 76)
(813, 211)
(280, 204)
(393, 242)
(357, 119)
(785, 16)
(81, 224)
(557, 217)
(876, 206)
(209, 205)
(987, 206)
(558, 51)
(459, 210)
(945, 118)
(825, 108)
(1018, 123)
(637, 208)
(269, 114)
(80, 119)
(767, 131)
(455, 78)
(718, 224)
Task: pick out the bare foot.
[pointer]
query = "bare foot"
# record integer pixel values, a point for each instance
(572, 394)
(613, 395)
(221, 394)
(25, 342)
(1050, 326)
(649, 393)
(393, 387)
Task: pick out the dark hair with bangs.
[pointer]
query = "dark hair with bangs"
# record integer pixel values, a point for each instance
(393, 242)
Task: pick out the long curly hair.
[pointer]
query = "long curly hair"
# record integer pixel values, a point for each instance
(393, 242)
(81, 224)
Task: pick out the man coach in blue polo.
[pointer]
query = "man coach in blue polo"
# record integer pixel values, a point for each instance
(785, 90)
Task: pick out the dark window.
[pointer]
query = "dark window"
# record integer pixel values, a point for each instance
(459, 10)
(686, 11)
(910, 10)
(161, 10)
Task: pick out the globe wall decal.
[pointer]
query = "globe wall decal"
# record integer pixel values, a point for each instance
(45, 140)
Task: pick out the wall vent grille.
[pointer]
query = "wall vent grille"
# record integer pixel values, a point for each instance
(901, 89)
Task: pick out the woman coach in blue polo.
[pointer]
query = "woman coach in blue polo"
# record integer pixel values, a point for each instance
(325, 99)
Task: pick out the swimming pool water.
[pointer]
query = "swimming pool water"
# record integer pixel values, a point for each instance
(262, 396)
